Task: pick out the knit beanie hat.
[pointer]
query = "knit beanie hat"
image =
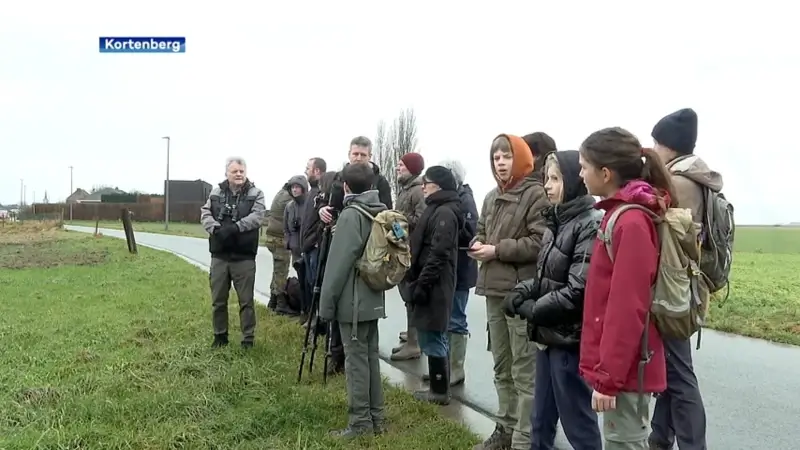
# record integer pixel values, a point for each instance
(678, 131)
(413, 162)
(442, 177)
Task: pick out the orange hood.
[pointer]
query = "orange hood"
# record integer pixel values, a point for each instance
(522, 165)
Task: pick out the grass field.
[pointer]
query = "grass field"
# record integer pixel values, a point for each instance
(102, 349)
(764, 299)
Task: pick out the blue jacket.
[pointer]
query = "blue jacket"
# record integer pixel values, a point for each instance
(467, 268)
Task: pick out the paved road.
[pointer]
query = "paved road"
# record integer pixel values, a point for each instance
(751, 387)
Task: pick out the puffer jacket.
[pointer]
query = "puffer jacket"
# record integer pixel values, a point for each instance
(563, 265)
(562, 268)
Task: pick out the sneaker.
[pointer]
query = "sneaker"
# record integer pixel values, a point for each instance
(247, 345)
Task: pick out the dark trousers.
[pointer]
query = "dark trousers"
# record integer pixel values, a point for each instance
(679, 414)
(242, 274)
(561, 393)
(337, 346)
(310, 278)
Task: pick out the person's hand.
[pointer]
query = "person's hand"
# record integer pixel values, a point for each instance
(602, 402)
(325, 214)
(512, 302)
(486, 252)
(475, 246)
(419, 295)
(525, 310)
(227, 230)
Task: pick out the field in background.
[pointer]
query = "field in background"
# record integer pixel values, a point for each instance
(103, 349)
(175, 228)
(764, 298)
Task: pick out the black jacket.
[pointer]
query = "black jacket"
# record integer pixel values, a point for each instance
(467, 269)
(434, 254)
(312, 224)
(225, 207)
(563, 263)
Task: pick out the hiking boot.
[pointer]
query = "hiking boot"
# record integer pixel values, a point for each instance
(283, 307)
(335, 368)
(499, 440)
(439, 392)
(409, 350)
(351, 433)
(220, 340)
(458, 353)
(273, 302)
(379, 428)
(247, 345)
(652, 445)
(403, 336)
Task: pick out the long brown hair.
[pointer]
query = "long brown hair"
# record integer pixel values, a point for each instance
(619, 151)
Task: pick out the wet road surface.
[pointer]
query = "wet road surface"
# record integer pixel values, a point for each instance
(751, 387)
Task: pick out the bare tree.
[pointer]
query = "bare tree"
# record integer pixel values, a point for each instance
(392, 143)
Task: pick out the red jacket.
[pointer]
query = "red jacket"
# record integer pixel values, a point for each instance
(617, 297)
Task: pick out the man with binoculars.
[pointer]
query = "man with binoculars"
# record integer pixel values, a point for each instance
(232, 217)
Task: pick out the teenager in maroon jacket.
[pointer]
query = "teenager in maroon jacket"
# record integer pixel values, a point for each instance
(618, 294)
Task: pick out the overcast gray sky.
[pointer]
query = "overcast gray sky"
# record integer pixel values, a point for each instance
(282, 82)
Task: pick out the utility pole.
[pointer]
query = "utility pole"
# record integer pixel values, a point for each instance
(166, 190)
(70, 193)
(21, 193)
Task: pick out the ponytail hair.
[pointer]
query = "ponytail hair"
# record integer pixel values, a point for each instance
(619, 151)
(656, 174)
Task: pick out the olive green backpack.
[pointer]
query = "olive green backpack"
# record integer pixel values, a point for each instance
(681, 292)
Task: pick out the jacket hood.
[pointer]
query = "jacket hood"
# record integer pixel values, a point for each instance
(299, 180)
(522, 166)
(375, 168)
(411, 181)
(638, 192)
(570, 167)
(694, 168)
(465, 190)
(368, 200)
(458, 169)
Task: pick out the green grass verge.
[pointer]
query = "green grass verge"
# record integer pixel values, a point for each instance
(175, 228)
(115, 354)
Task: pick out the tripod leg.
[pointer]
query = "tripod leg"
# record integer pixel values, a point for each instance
(327, 352)
(303, 355)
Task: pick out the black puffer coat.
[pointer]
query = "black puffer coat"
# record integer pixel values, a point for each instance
(563, 262)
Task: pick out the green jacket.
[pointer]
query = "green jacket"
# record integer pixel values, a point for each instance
(345, 296)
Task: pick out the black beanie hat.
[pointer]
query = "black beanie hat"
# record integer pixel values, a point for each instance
(678, 131)
(442, 177)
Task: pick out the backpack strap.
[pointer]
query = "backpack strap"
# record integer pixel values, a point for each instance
(645, 354)
(362, 211)
(606, 234)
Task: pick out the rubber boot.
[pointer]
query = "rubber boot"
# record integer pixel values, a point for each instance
(458, 353)
(439, 393)
(408, 350)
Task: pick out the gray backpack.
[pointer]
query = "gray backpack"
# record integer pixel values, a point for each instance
(716, 235)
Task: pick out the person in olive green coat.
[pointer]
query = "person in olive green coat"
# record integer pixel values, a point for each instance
(346, 298)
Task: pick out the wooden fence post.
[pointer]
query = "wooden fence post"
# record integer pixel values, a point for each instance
(128, 227)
